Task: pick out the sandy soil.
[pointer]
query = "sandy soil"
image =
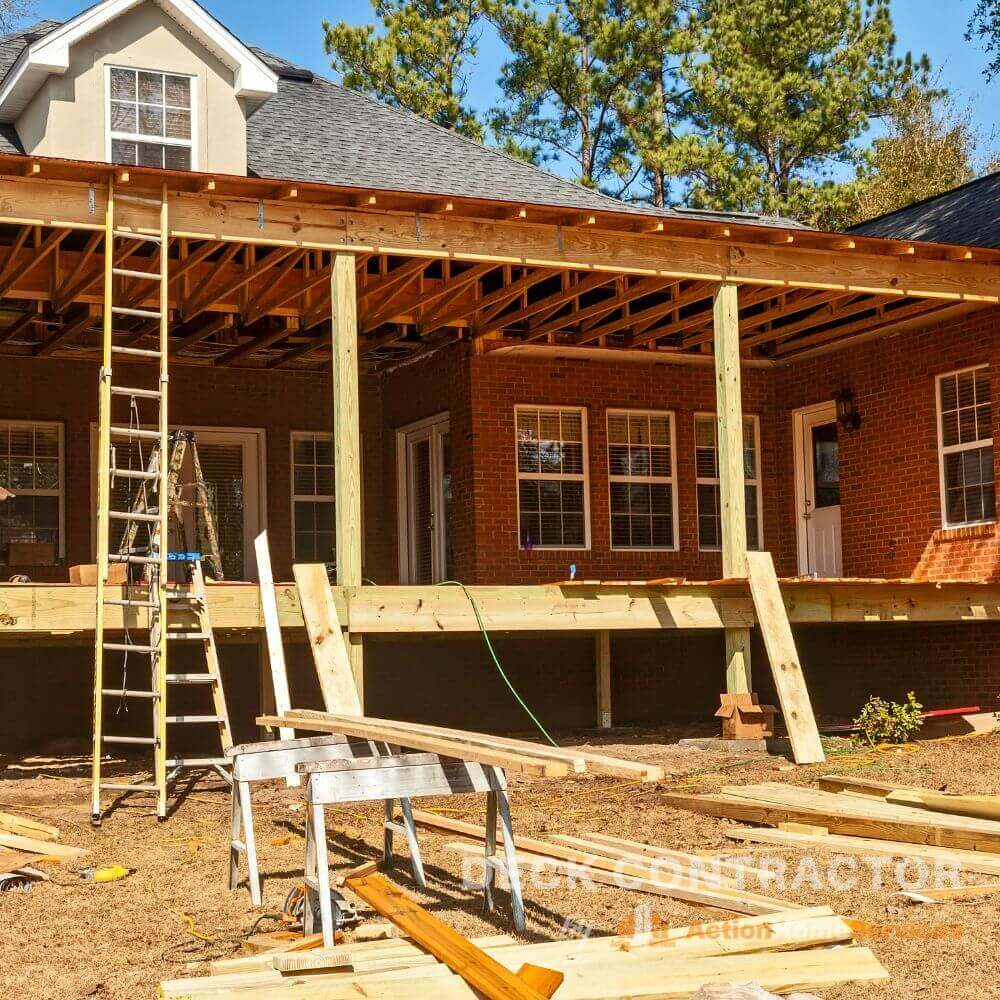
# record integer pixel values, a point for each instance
(72, 938)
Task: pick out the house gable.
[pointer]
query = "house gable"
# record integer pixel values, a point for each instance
(59, 85)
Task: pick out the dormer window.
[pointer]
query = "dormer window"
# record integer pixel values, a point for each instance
(150, 121)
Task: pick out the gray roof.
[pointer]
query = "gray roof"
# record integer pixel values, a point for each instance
(316, 130)
(968, 215)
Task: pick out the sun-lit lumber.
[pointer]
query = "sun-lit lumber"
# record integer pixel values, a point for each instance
(26, 827)
(980, 806)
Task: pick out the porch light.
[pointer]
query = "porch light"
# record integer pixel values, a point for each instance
(847, 414)
(5, 494)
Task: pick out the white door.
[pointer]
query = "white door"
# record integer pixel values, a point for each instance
(423, 452)
(817, 465)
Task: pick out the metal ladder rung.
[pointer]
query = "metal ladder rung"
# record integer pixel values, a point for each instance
(118, 602)
(124, 272)
(190, 678)
(135, 560)
(135, 474)
(122, 390)
(142, 313)
(193, 719)
(134, 432)
(146, 741)
(135, 352)
(138, 199)
(124, 234)
(114, 786)
(173, 595)
(125, 647)
(127, 515)
(188, 635)
(119, 693)
(198, 762)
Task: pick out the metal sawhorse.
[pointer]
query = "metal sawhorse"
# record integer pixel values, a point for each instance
(271, 760)
(402, 776)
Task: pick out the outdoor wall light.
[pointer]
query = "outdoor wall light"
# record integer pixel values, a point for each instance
(847, 413)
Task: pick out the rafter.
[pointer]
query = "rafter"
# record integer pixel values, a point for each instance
(267, 299)
(430, 319)
(391, 282)
(70, 286)
(63, 336)
(207, 294)
(206, 330)
(12, 272)
(19, 326)
(255, 345)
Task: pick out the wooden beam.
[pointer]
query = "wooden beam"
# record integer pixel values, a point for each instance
(19, 326)
(729, 445)
(208, 329)
(70, 329)
(602, 650)
(198, 302)
(14, 270)
(74, 282)
(284, 329)
(347, 440)
(275, 300)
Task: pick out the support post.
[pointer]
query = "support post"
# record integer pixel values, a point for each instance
(732, 496)
(602, 655)
(347, 441)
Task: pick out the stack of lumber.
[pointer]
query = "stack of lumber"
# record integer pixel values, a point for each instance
(26, 842)
(515, 756)
(639, 867)
(783, 952)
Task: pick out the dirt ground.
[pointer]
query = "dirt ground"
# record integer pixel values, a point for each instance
(71, 938)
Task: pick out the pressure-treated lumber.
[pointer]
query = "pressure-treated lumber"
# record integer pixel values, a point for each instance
(979, 806)
(979, 862)
(400, 736)
(329, 647)
(578, 761)
(49, 848)
(793, 695)
(26, 827)
(662, 879)
(956, 895)
(478, 969)
(347, 443)
(843, 814)
(602, 656)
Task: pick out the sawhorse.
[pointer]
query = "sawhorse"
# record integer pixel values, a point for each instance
(272, 760)
(402, 776)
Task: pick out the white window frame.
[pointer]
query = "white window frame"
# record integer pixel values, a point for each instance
(655, 480)
(710, 481)
(306, 498)
(192, 143)
(952, 448)
(60, 493)
(561, 477)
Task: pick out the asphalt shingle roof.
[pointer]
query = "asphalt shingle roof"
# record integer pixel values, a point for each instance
(316, 130)
(969, 215)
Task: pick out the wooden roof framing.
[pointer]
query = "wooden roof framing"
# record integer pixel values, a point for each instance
(251, 264)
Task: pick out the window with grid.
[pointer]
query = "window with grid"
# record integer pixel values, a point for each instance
(31, 471)
(150, 118)
(312, 497)
(551, 477)
(641, 479)
(966, 454)
(707, 480)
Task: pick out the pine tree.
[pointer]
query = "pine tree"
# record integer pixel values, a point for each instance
(781, 92)
(417, 57)
(985, 24)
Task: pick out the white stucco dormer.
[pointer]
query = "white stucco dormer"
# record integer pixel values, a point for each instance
(156, 82)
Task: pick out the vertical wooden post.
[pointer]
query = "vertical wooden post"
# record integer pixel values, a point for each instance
(602, 654)
(347, 441)
(732, 496)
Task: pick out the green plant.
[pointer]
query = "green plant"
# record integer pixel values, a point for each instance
(883, 721)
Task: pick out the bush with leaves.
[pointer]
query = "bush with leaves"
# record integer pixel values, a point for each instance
(883, 721)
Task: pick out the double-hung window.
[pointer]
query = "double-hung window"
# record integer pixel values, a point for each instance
(965, 436)
(31, 475)
(707, 481)
(150, 118)
(552, 477)
(313, 497)
(641, 479)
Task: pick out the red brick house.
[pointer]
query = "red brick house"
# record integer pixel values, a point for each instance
(521, 422)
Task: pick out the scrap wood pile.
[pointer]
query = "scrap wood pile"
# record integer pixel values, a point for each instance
(783, 952)
(853, 816)
(25, 843)
(515, 756)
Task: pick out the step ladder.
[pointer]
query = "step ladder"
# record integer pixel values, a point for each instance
(145, 597)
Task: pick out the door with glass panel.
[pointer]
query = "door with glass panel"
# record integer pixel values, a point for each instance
(423, 452)
(817, 460)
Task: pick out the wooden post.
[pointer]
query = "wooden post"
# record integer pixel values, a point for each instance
(347, 441)
(602, 653)
(732, 496)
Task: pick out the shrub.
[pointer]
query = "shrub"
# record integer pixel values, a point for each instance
(883, 721)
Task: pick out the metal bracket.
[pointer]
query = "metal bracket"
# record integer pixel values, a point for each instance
(559, 238)
(260, 214)
(91, 200)
(417, 227)
(105, 372)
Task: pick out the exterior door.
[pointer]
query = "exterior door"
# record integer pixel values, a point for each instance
(817, 460)
(424, 476)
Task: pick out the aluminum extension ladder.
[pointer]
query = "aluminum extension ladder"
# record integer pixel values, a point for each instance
(145, 595)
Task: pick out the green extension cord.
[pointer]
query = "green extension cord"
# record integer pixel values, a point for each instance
(496, 659)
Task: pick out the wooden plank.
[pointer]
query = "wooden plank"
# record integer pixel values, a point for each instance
(964, 861)
(347, 444)
(978, 806)
(28, 827)
(329, 648)
(796, 708)
(732, 475)
(475, 966)
(282, 700)
(365, 729)
(16, 842)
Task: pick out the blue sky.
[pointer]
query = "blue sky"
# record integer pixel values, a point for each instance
(293, 29)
